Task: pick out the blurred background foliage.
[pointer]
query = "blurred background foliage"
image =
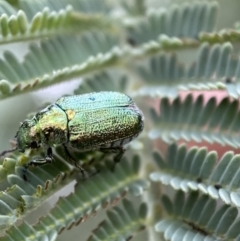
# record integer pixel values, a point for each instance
(179, 60)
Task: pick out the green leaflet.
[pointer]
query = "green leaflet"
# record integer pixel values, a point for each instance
(104, 81)
(54, 61)
(193, 120)
(97, 192)
(49, 21)
(198, 170)
(197, 215)
(185, 21)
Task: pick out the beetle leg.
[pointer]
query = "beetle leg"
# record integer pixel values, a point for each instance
(118, 157)
(8, 151)
(38, 162)
(76, 164)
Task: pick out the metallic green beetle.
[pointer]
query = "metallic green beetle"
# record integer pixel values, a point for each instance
(103, 121)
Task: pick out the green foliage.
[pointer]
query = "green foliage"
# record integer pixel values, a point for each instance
(28, 23)
(54, 61)
(97, 192)
(90, 6)
(216, 67)
(120, 221)
(211, 122)
(185, 21)
(197, 170)
(170, 57)
(197, 215)
(103, 82)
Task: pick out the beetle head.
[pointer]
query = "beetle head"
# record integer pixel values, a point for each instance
(27, 135)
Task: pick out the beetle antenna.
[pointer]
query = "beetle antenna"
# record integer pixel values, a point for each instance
(8, 151)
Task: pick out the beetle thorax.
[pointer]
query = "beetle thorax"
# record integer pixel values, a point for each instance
(28, 135)
(52, 126)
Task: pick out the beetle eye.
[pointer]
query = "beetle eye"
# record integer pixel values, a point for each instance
(34, 145)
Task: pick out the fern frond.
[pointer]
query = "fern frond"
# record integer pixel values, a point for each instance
(6, 8)
(194, 120)
(162, 76)
(46, 23)
(27, 230)
(185, 21)
(21, 197)
(122, 223)
(61, 59)
(215, 68)
(135, 8)
(86, 6)
(197, 215)
(54, 61)
(100, 191)
(104, 81)
(222, 36)
(198, 170)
